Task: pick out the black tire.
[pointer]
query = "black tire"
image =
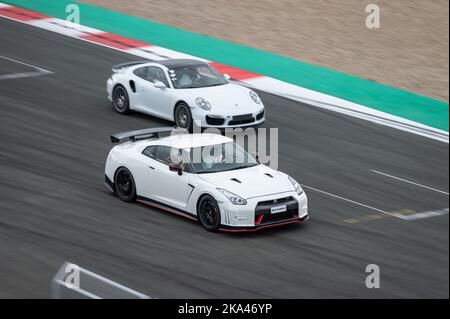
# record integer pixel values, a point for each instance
(124, 185)
(183, 117)
(121, 101)
(208, 212)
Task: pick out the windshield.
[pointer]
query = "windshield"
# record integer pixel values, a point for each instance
(195, 76)
(219, 158)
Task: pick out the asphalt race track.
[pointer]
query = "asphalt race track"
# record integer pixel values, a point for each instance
(54, 207)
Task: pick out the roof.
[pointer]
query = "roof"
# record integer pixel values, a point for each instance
(186, 141)
(170, 63)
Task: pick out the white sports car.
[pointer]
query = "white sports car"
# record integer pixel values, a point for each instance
(204, 177)
(185, 91)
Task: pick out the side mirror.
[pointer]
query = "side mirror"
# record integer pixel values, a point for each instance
(227, 77)
(159, 85)
(176, 168)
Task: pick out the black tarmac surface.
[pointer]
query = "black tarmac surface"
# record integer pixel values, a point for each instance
(54, 207)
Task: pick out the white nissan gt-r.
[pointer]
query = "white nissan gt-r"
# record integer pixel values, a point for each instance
(204, 177)
(185, 91)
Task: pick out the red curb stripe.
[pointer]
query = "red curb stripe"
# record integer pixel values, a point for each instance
(114, 41)
(235, 73)
(21, 14)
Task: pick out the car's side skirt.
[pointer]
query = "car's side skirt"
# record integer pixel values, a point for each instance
(165, 207)
(223, 228)
(109, 184)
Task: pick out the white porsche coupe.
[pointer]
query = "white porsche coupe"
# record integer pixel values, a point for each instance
(185, 91)
(204, 177)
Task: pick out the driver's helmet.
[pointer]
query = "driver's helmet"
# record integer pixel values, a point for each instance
(176, 156)
(186, 78)
(208, 160)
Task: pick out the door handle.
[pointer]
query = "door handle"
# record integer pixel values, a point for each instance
(151, 167)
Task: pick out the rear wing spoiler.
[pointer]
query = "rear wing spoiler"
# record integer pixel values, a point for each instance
(118, 67)
(144, 134)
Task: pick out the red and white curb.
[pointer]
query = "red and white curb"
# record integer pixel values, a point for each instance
(257, 81)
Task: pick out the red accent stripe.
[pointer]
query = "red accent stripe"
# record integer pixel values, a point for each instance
(235, 73)
(258, 221)
(115, 41)
(165, 209)
(21, 14)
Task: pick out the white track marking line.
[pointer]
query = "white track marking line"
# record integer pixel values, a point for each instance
(23, 63)
(431, 213)
(39, 71)
(406, 181)
(22, 75)
(354, 202)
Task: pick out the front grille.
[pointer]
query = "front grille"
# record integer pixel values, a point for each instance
(276, 217)
(242, 119)
(260, 116)
(274, 202)
(264, 208)
(214, 120)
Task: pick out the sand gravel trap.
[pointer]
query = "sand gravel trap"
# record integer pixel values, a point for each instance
(409, 51)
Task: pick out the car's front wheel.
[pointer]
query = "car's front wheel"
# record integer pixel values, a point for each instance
(183, 117)
(120, 99)
(124, 185)
(209, 213)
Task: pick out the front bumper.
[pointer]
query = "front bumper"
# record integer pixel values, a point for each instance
(257, 213)
(237, 229)
(211, 120)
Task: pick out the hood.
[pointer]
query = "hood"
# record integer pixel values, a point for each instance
(253, 181)
(228, 96)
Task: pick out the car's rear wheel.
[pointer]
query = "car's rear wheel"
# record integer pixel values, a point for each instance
(183, 117)
(124, 185)
(121, 101)
(209, 213)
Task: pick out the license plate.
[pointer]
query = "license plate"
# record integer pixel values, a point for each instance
(278, 209)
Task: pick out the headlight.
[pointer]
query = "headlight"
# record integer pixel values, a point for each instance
(296, 185)
(255, 97)
(202, 103)
(234, 199)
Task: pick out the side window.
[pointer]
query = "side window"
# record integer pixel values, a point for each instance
(161, 76)
(141, 72)
(165, 154)
(169, 155)
(151, 74)
(150, 151)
